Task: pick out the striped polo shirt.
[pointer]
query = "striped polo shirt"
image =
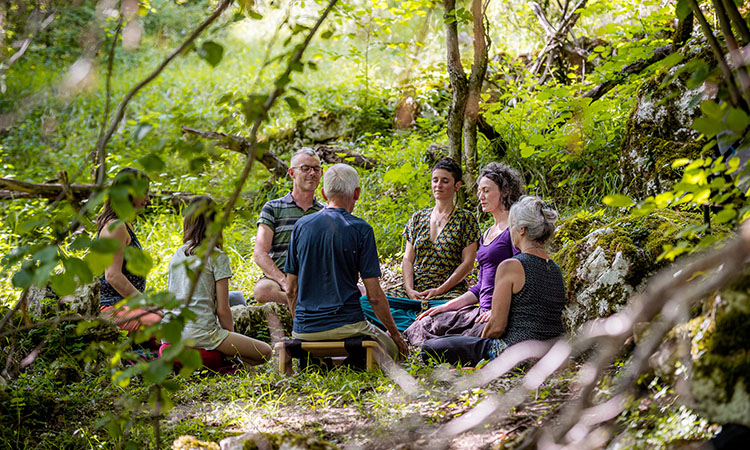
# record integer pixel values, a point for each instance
(280, 215)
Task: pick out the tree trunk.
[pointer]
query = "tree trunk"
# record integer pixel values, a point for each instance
(471, 111)
(458, 81)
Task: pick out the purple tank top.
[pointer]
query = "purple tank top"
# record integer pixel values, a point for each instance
(488, 257)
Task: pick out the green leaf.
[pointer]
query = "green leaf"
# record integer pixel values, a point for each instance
(81, 242)
(119, 197)
(97, 262)
(157, 371)
(191, 361)
(618, 201)
(105, 245)
(63, 283)
(326, 34)
(142, 130)
(211, 52)
(725, 215)
(46, 254)
(22, 279)
(682, 9)
(78, 268)
(172, 331)
(680, 162)
(85, 325)
(152, 163)
(294, 104)
(737, 120)
(137, 261)
(709, 127)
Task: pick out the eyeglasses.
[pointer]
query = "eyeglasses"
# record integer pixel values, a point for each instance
(306, 169)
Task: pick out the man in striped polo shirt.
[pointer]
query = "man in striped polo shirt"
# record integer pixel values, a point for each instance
(276, 222)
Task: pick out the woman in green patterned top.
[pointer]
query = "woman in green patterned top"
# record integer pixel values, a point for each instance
(441, 245)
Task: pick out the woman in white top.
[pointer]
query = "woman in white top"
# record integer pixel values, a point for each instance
(213, 326)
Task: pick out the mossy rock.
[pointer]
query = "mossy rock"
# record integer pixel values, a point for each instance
(187, 442)
(253, 320)
(276, 441)
(335, 124)
(605, 263)
(658, 130)
(721, 375)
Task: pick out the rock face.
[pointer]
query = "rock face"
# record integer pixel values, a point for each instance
(721, 366)
(605, 263)
(262, 321)
(658, 132)
(331, 125)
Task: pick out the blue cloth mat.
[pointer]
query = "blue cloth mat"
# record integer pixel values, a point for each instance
(403, 310)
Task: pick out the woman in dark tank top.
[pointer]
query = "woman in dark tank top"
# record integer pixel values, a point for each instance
(118, 282)
(529, 293)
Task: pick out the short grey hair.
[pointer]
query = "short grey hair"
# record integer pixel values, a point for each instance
(534, 214)
(304, 151)
(340, 181)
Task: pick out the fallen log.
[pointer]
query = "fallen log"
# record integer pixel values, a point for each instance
(11, 189)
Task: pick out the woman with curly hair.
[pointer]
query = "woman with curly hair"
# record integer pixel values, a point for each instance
(499, 187)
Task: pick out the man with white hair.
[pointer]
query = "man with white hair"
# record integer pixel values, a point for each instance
(276, 221)
(328, 252)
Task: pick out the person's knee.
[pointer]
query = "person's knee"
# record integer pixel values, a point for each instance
(265, 291)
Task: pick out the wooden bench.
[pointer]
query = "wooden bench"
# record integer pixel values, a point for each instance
(326, 348)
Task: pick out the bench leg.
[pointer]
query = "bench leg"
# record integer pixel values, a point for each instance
(370, 361)
(285, 360)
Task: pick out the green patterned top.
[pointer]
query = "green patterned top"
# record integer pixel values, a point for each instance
(436, 261)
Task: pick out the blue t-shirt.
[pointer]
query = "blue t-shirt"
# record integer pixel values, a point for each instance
(328, 252)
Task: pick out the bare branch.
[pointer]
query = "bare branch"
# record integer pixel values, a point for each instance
(102, 143)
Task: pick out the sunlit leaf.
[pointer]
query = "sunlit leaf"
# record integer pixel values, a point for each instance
(618, 201)
(137, 261)
(63, 283)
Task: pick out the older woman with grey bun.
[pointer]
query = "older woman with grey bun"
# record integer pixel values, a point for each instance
(529, 293)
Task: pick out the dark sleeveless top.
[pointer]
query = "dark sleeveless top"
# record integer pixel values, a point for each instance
(109, 296)
(536, 310)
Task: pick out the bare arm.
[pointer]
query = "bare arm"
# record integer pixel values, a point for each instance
(465, 299)
(509, 280)
(468, 254)
(113, 273)
(263, 241)
(407, 270)
(222, 304)
(291, 292)
(376, 297)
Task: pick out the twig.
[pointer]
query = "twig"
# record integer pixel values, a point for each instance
(102, 143)
(108, 93)
(253, 145)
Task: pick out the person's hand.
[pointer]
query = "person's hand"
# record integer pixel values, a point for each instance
(429, 293)
(484, 317)
(401, 344)
(414, 295)
(283, 285)
(431, 312)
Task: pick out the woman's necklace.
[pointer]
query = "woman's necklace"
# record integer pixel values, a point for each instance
(439, 220)
(532, 247)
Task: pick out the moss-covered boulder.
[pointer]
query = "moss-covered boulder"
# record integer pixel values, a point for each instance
(262, 321)
(659, 131)
(721, 369)
(276, 441)
(605, 262)
(187, 442)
